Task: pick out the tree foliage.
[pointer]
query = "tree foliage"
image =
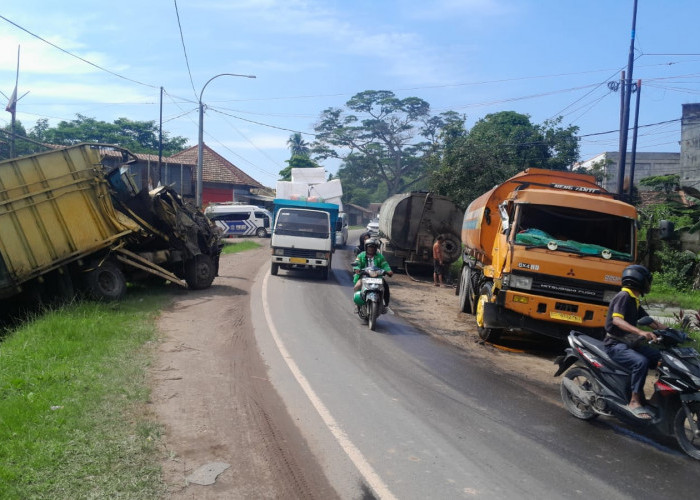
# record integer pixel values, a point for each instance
(384, 142)
(300, 156)
(497, 147)
(137, 136)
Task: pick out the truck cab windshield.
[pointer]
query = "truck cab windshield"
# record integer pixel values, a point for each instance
(308, 223)
(583, 232)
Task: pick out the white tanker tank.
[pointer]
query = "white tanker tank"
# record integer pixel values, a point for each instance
(409, 224)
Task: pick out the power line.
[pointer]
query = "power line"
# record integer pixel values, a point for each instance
(184, 49)
(77, 56)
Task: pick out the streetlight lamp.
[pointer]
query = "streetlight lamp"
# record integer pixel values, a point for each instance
(200, 147)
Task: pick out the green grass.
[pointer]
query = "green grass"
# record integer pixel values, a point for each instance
(671, 297)
(240, 246)
(73, 390)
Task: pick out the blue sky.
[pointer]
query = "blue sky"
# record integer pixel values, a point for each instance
(544, 58)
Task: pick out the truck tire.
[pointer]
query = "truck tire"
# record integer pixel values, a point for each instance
(324, 273)
(274, 268)
(106, 282)
(199, 272)
(487, 334)
(58, 287)
(466, 292)
(261, 232)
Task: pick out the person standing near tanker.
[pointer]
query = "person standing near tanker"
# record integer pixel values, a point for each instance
(438, 261)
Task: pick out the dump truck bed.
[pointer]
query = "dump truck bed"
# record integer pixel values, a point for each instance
(54, 208)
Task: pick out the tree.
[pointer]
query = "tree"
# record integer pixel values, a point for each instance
(298, 146)
(137, 136)
(22, 147)
(382, 140)
(497, 147)
(300, 156)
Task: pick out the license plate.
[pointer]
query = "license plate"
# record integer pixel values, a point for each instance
(297, 260)
(565, 317)
(373, 281)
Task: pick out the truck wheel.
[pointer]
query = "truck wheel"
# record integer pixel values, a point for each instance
(466, 294)
(106, 282)
(199, 272)
(261, 232)
(274, 268)
(487, 334)
(324, 273)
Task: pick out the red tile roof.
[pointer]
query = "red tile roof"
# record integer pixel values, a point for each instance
(215, 168)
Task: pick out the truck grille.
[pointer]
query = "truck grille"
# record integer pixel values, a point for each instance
(579, 290)
(298, 252)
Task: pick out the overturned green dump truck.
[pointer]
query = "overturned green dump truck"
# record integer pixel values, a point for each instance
(70, 223)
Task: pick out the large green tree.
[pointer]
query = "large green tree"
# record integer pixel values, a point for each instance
(384, 142)
(137, 136)
(498, 146)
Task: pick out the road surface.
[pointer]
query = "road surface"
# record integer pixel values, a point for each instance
(397, 413)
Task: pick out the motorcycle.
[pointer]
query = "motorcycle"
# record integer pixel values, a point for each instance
(369, 300)
(596, 385)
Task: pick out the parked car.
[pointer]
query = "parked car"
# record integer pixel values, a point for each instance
(373, 226)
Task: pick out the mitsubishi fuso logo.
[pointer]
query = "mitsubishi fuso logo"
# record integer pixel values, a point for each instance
(571, 272)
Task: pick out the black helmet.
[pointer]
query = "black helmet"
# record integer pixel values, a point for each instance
(637, 277)
(372, 241)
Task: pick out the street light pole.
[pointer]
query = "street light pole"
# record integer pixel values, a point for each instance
(200, 146)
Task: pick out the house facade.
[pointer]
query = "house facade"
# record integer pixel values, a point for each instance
(222, 181)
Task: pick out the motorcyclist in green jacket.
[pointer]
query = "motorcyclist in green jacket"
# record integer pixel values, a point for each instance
(371, 257)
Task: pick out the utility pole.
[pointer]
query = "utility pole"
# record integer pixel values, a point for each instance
(626, 109)
(12, 109)
(634, 138)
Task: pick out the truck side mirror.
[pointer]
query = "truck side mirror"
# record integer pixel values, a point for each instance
(505, 219)
(666, 228)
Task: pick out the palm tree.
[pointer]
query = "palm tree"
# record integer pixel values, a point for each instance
(298, 146)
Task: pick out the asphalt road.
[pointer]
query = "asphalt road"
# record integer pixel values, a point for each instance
(397, 414)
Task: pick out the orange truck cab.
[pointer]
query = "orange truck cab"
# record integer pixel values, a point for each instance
(544, 252)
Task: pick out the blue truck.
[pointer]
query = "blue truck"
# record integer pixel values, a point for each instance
(303, 235)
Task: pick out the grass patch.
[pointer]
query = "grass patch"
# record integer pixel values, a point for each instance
(239, 246)
(72, 392)
(670, 296)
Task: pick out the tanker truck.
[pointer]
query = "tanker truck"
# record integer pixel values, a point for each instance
(409, 223)
(544, 252)
(69, 222)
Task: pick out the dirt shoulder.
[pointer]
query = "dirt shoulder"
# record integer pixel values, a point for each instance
(211, 393)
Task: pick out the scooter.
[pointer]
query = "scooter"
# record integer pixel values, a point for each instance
(369, 299)
(596, 385)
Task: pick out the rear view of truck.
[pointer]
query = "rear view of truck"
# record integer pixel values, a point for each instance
(303, 236)
(544, 252)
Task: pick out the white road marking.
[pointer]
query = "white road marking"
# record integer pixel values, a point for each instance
(365, 469)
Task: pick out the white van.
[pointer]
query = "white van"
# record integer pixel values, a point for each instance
(341, 230)
(239, 220)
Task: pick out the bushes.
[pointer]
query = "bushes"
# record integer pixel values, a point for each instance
(677, 270)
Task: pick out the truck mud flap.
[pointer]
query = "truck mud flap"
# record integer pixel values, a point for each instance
(135, 260)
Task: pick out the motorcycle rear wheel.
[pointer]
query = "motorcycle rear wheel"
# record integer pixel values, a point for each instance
(684, 435)
(373, 314)
(579, 409)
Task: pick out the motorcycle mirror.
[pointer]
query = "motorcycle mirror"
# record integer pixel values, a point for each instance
(645, 321)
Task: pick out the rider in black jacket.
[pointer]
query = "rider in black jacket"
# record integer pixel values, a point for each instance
(624, 341)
